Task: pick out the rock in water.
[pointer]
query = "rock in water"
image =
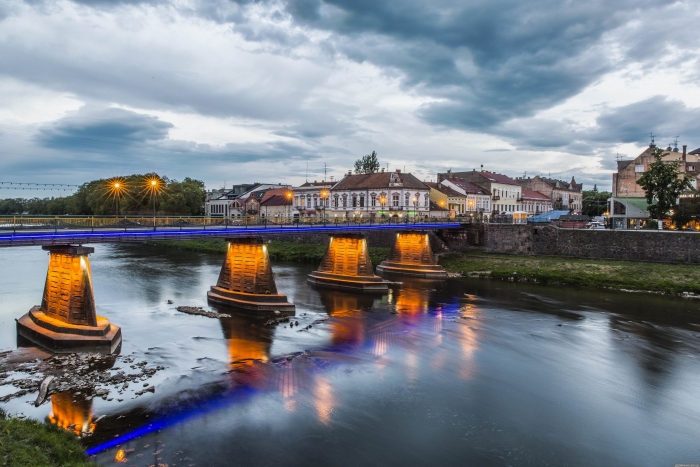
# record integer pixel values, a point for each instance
(43, 391)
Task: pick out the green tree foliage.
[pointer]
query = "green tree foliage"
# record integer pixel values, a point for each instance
(98, 197)
(595, 202)
(664, 183)
(367, 164)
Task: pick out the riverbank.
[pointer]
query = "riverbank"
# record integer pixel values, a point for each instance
(30, 443)
(669, 279)
(278, 250)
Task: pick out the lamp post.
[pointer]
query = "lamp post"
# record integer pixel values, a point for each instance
(382, 201)
(117, 189)
(289, 194)
(415, 208)
(324, 197)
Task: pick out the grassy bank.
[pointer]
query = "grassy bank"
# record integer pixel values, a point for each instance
(663, 278)
(32, 444)
(278, 250)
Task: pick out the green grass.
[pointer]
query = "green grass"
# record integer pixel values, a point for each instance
(663, 278)
(278, 250)
(29, 443)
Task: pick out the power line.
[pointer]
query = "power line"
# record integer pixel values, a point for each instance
(36, 184)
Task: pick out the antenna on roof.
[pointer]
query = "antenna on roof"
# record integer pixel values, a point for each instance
(675, 144)
(325, 169)
(651, 135)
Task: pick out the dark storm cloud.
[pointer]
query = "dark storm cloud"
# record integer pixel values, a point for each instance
(491, 61)
(102, 130)
(664, 117)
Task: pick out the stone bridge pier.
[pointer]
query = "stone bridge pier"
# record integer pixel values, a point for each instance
(246, 280)
(347, 265)
(66, 320)
(411, 255)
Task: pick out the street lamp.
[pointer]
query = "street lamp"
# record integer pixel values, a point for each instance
(289, 194)
(324, 196)
(415, 208)
(154, 185)
(114, 188)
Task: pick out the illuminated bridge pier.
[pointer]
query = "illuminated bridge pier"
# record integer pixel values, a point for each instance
(246, 278)
(66, 321)
(346, 265)
(411, 255)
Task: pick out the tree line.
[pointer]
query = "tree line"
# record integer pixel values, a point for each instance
(131, 195)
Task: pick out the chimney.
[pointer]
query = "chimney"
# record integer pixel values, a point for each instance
(349, 172)
(398, 171)
(382, 169)
(685, 146)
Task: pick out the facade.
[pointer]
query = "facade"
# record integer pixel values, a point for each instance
(276, 203)
(564, 195)
(628, 205)
(312, 199)
(478, 199)
(535, 202)
(381, 194)
(505, 192)
(448, 198)
(240, 201)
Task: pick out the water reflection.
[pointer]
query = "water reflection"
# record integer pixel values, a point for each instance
(72, 411)
(248, 340)
(348, 324)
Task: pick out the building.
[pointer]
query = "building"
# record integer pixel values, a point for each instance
(240, 201)
(535, 202)
(312, 199)
(447, 198)
(505, 192)
(276, 203)
(478, 199)
(628, 206)
(380, 194)
(564, 195)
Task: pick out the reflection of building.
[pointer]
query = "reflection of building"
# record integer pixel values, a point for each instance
(72, 412)
(247, 339)
(348, 328)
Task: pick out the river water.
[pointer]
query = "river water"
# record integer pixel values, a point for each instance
(460, 372)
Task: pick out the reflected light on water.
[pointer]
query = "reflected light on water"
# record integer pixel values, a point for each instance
(324, 402)
(72, 413)
(120, 456)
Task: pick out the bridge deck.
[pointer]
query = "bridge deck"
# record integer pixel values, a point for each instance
(43, 236)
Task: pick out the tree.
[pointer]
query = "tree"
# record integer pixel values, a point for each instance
(663, 183)
(595, 203)
(367, 164)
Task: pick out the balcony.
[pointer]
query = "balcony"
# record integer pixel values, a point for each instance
(495, 198)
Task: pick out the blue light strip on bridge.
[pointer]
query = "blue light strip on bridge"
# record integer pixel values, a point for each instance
(235, 231)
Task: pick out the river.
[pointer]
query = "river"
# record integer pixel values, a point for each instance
(459, 372)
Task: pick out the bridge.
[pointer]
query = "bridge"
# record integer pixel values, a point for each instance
(66, 320)
(60, 230)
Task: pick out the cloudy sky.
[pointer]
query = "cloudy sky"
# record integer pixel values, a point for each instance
(241, 91)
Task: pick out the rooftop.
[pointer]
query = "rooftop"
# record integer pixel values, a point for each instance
(379, 180)
(530, 194)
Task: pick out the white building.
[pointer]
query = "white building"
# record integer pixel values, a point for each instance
(312, 199)
(236, 202)
(381, 194)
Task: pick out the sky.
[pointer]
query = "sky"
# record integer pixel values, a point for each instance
(286, 91)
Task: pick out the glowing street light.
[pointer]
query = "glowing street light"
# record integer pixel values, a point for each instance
(324, 196)
(154, 185)
(115, 188)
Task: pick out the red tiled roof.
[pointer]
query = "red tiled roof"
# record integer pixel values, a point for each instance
(529, 194)
(469, 187)
(498, 178)
(271, 195)
(378, 180)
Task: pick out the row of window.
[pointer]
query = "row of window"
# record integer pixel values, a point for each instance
(358, 201)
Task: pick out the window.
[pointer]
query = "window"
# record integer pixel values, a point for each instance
(354, 201)
(427, 200)
(345, 201)
(335, 201)
(308, 201)
(406, 198)
(395, 199)
(639, 168)
(362, 201)
(373, 200)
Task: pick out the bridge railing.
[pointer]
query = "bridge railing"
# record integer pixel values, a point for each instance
(92, 223)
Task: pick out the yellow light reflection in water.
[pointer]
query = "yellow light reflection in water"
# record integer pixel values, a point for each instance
(120, 456)
(72, 413)
(323, 400)
(468, 339)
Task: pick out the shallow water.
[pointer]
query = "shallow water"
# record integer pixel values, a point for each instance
(455, 372)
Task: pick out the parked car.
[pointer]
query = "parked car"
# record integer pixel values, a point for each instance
(595, 225)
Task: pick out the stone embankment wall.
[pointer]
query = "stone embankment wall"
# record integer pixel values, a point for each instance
(627, 245)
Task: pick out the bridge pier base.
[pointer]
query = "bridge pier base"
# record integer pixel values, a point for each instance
(346, 265)
(246, 278)
(411, 255)
(66, 321)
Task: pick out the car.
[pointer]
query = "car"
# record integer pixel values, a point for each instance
(595, 225)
